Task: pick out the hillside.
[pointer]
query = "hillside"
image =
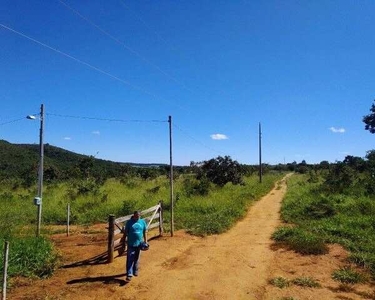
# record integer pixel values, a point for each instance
(21, 161)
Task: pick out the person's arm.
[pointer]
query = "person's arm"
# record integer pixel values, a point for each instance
(125, 232)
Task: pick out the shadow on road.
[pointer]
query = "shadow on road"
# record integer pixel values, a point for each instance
(98, 259)
(104, 279)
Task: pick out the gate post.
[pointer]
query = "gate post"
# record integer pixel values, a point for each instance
(111, 238)
(161, 218)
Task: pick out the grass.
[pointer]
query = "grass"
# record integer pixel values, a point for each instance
(348, 276)
(300, 240)
(313, 214)
(280, 282)
(306, 282)
(30, 257)
(213, 213)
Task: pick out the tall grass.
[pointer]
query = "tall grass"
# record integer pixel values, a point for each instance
(334, 218)
(218, 211)
(223, 205)
(213, 213)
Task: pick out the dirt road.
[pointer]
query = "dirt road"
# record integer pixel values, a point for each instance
(234, 265)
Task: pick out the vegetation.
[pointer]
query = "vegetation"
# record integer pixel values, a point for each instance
(300, 240)
(327, 211)
(280, 282)
(30, 257)
(369, 119)
(220, 170)
(306, 282)
(94, 189)
(347, 275)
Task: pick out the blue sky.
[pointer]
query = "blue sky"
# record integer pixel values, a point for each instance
(304, 69)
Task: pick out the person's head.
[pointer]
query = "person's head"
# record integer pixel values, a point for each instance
(136, 215)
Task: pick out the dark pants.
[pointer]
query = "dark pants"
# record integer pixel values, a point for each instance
(132, 261)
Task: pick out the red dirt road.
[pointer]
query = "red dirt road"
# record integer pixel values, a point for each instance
(235, 265)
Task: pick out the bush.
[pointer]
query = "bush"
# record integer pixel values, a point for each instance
(300, 240)
(222, 170)
(31, 257)
(194, 187)
(280, 282)
(320, 208)
(347, 275)
(306, 282)
(128, 207)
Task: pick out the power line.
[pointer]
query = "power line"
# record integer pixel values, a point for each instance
(121, 43)
(88, 65)
(107, 119)
(144, 22)
(13, 121)
(197, 141)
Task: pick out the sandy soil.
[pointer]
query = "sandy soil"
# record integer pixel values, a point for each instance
(234, 265)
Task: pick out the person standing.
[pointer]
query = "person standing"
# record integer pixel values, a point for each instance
(136, 232)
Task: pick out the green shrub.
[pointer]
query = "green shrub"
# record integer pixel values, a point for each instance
(306, 282)
(280, 282)
(31, 256)
(193, 187)
(347, 275)
(300, 240)
(320, 208)
(128, 207)
(282, 234)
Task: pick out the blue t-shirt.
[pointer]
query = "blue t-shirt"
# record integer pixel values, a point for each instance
(134, 231)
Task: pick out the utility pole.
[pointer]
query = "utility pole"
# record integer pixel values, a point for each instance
(171, 174)
(41, 163)
(260, 153)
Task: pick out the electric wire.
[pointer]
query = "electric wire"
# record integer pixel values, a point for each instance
(89, 66)
(197, 141)
(13, 121)
(221, 91)
(121, 43)
(106, 119)
(144, 22)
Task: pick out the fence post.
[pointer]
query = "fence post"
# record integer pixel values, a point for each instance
(68, 219)
(161, 218)
(5, 271)
(111, 238)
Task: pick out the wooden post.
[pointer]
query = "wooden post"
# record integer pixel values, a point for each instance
(111, 238)
(5, 271)
(260, 154)
(161, 218)
(67, 219)
(40, 172)
(171, 174)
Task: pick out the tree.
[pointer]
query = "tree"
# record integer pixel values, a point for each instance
(222, 170)
(355, 162)
(369, 120)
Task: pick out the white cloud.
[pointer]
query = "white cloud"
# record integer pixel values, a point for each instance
(67, 138)
(218, 136)
(96, 132)
(337, 130)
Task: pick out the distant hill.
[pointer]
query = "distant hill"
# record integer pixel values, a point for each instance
(19, 160)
